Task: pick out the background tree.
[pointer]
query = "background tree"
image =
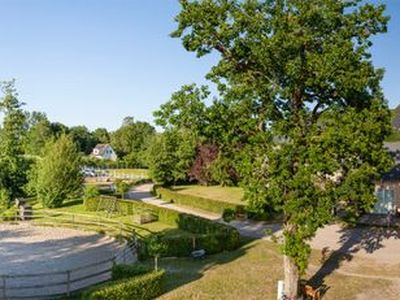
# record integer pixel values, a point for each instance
(170, 156)
(13, 165)
(58, 174)
(130, 141)
(38, 134)
(306, 67)
(83, 138)
(101, 136)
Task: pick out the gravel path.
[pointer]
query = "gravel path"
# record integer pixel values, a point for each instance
(27, 249)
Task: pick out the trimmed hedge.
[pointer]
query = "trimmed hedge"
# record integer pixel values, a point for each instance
(207, 204)
(144, 287)
(211, 236)
(127, 271)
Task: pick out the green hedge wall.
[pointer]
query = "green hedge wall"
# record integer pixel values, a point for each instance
(144, 287)
(211, 205)
(211, 236)
(127, 271)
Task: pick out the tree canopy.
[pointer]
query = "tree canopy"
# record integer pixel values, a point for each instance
(315, 95)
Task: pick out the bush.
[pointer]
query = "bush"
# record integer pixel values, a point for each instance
(228, 215)
(127, 271)
(194, 201)
(144, 287)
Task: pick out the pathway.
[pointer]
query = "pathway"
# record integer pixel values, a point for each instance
(247, 228)
(379, 244)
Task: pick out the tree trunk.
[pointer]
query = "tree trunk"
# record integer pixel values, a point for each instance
(291, 278)
(156, 263)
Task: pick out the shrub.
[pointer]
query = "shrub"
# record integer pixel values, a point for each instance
(228, 215)
(144, 287)
(211, 205)
(91, 191)
(127, 271)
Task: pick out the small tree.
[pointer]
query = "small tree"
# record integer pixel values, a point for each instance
(122, 187)
(91, 191)
(156, 247)
(58, 176)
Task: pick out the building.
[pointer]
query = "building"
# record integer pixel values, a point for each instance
(104, 151)
(388, 189)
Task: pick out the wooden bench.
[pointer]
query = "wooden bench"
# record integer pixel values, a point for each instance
(309, 292)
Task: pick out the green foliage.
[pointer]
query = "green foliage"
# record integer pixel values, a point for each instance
(214, 237)
(58, 176)
(211, 205)
(122, 187)
(228, 215)
(13, 165)
(315, 96)
(131, 141)
(83, 138)
(91, 192)
(38, 134)
(144, 287)
(119, 272)
(170, 156)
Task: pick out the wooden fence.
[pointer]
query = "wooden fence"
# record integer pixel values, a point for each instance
(62, 283)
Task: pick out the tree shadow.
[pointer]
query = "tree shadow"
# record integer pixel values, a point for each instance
(352, 240)
(184, 270)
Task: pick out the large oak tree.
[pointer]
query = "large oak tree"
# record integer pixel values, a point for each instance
(322, 116)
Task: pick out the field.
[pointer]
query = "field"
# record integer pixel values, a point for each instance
(227, 194)
(252, 272)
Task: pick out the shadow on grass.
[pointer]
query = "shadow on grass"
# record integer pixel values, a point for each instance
(352, 240)
(184, 270)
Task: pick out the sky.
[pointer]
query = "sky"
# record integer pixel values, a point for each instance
(94, 62)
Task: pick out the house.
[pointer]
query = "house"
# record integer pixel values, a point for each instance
(388, 188)
(104, 151)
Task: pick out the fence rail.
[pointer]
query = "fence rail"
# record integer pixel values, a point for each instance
(63, 283)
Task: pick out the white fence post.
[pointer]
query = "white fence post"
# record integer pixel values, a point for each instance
(281, 287)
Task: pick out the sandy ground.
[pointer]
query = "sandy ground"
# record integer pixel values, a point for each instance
(27, 249)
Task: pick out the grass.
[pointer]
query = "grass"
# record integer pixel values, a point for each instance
(77, 207)
(252, 272)
(227, 194)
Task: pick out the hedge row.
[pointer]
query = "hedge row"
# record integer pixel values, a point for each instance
(144, 287)
(211, 236)
(127, 271)
(207, 204)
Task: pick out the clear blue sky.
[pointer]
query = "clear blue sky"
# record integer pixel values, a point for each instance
(93, 62)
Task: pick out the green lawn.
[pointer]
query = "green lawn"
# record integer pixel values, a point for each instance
(252, 272)
(226, 194)
(77, 207)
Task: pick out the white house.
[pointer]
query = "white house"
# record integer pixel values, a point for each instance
(104, 151)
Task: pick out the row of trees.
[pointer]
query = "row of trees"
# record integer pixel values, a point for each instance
(206, 144)
(129, 141)
(52, 176)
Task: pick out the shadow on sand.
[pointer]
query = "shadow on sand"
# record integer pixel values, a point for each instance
(353, 240)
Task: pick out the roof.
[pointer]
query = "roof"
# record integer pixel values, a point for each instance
(101, 148)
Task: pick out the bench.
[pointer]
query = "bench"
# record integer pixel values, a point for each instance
(310, 292)
(199, 254)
